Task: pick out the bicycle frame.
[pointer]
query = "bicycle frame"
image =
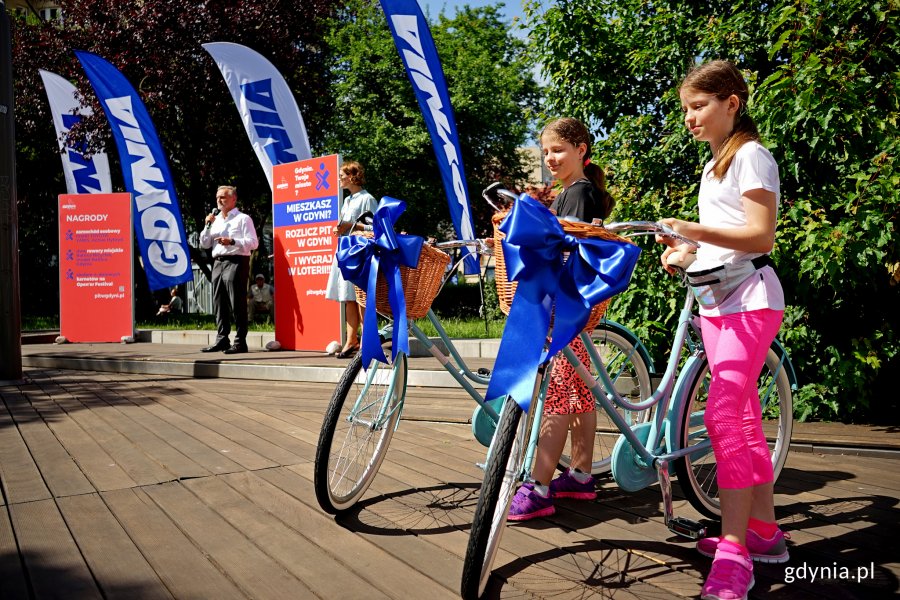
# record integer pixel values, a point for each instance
(604, 391)
(460, 372)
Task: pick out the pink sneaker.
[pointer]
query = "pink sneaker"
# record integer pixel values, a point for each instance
(566, 486)
(730, 577)
(527, 504)
(761, 550)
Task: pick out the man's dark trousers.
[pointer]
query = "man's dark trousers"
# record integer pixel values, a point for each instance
(230, 277)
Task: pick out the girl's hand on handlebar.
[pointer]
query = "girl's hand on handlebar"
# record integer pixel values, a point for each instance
(688, 229)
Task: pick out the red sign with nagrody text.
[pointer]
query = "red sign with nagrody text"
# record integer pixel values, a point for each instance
(96, 279)
(305, 209)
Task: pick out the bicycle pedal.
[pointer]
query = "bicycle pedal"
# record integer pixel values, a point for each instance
(687, 528)
(484, 372)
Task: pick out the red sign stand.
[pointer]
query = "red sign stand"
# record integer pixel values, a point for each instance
(306, 207)
(96, 279)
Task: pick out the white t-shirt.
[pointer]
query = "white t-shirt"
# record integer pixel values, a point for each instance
(720, 205)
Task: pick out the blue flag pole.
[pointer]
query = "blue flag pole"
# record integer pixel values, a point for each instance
(423, 66)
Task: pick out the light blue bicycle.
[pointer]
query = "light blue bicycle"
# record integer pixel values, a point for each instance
(672, 439)
(365, 408)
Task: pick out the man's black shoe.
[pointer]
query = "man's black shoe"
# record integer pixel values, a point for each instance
(237, 349)
(217, 347)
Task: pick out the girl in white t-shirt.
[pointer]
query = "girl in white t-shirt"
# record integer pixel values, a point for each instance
(738, 206)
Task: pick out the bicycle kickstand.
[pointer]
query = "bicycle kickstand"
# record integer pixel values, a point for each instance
(679, 525)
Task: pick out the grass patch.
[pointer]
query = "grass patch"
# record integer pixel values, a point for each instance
(456, 327)
(463, 329)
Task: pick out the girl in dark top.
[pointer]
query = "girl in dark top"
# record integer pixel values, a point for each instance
(569, 405)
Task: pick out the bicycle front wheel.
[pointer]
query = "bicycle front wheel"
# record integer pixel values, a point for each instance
(697, 471)
(503, 473)
(630, 374)
(357, 430)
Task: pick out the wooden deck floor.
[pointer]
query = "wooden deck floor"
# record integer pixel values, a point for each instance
(136, 486)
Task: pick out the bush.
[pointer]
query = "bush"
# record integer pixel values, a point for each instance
(825, 93)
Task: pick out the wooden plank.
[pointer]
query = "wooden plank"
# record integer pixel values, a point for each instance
(21, 479)
(311, 564)
(118, 566)
(231, 456)
(844, 434)
(54, 564)
(390, 574)
(140, 468)
(13, 584)
(268, 436)
(176, 463)
(97, 465)
(410, 531)
(259, 451)
(251, 569)
(184, 569)
(141, 412)
(58, 469)
(441, 514)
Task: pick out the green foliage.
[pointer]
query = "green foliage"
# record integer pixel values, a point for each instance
(825, 87)
(156, 45)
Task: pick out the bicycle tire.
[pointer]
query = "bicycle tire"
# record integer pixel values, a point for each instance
(630, 373)
(501, 477)
(356, 434)
(697, 474)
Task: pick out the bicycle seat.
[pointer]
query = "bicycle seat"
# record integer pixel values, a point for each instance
(682, 260)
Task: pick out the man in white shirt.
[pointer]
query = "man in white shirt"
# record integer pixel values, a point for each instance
(232, 237)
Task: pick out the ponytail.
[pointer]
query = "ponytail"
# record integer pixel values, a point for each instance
(744, 131)
(596, 176)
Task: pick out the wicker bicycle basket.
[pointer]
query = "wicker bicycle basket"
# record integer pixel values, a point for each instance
(506, 290)
(420, 285)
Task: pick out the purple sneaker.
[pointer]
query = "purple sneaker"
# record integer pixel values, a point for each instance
(527, 504)
(761, 550)
(566, 486)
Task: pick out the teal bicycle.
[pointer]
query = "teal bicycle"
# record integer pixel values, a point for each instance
(365, 408)
(672, 440)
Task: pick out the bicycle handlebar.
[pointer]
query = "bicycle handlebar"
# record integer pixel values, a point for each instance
(480, 246)
(636, 228)
(497, 196)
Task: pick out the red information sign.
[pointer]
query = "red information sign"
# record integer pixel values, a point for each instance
(305, 208)
(96, 280)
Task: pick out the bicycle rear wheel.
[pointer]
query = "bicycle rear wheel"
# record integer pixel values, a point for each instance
(697, 471)
(358, 426)
(630, 374)
(503, 473)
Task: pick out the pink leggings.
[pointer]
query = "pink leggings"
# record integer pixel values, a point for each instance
(736, 346)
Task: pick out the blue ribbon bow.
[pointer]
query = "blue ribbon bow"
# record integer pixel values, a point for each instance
(361, 259)
(533, 249)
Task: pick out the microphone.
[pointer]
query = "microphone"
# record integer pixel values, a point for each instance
(215, 212)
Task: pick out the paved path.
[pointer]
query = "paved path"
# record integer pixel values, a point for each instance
(133, 486)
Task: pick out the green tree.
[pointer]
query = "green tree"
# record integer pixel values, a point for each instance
(824, 79)
(377, 120)
(156, 45)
